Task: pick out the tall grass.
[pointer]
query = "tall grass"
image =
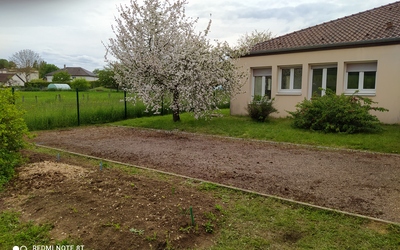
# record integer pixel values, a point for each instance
(58, 109)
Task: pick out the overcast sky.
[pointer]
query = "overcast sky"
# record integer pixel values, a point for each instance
(71, 32)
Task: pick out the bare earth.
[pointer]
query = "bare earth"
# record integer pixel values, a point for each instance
(109, 209)
(357, 182)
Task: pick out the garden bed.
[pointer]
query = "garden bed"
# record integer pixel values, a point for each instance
(356, 182)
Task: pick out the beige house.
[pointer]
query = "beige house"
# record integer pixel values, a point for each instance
(16, 78)
(358, 52)
(75, 72)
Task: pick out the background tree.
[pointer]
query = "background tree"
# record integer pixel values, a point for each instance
(160, 56)
(4, 64)
(80, 83)
(26, 61)
(11, 65)
(106, 78)
(246, 42)
(46, 68)
(61, 77)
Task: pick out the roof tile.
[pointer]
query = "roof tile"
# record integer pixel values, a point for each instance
(74, 71)
(371, 25)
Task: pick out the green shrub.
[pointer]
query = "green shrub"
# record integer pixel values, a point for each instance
(337, 113)
(260, 108)
(61, 77)
(80, 83)
(12, 132)
(36, 84)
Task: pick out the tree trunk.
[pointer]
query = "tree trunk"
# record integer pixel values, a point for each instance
(175, 109)
(175, 116)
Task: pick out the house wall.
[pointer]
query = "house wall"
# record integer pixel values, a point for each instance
(19, 78)
(387, 77)
(88, 78)
(32, 76)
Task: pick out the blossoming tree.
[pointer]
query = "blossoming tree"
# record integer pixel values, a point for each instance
(158, 56)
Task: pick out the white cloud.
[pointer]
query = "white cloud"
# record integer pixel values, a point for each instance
(71, 32)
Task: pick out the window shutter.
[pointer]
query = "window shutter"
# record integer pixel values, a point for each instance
(359, 67)
(262, 72)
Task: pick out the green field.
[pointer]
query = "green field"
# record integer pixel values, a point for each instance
(58, 109)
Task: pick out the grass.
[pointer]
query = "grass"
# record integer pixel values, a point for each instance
(279, 130)
(13, 232)
(255, 222)
(58, 109)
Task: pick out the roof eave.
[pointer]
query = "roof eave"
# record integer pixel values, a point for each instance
(366, 43)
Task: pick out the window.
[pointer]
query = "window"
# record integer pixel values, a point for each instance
(290, 80)
(361, 77)
(324, 77)
(262, 83)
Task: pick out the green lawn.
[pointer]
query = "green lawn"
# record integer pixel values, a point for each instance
(279, 130)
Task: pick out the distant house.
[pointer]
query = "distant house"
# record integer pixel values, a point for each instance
(7, 79)
(75, 72)
(59, 86)
(15, 78)
(360, 52)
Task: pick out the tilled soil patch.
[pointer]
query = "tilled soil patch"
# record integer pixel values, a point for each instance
(108, 208)
(357, 182)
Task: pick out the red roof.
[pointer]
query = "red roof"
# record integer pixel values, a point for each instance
(379, 25)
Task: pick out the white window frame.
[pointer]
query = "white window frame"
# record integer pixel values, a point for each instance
(291, 90)
(264, 73)
(324, 77)
(361, 68)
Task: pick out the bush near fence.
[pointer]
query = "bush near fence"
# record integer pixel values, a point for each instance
(12, 132)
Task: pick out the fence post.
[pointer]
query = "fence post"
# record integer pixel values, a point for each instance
(126, 112)
(77, 106)
(13, 94)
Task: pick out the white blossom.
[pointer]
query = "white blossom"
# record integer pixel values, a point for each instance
(158, 56)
